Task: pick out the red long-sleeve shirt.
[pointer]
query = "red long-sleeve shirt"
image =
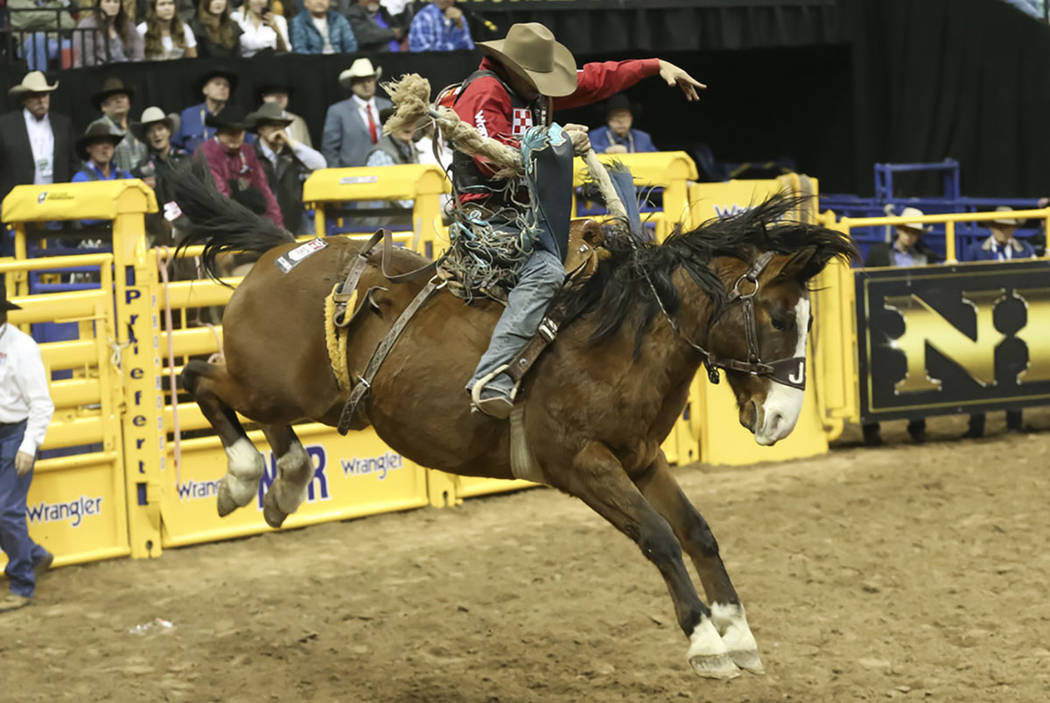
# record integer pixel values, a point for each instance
(487, 105)
(242, 164)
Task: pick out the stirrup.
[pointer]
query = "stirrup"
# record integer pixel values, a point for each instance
(498, 407)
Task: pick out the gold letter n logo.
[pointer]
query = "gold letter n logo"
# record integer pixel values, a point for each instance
(923, 325)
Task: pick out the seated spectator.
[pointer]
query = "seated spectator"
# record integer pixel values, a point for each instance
(165, 35)
(439, 26)
(279, 93)
(261, 28)
(114, 102)
(287, 162)
(218, 36)
(234, 165)
(351, 126)
(114, 39)
(35, 23)
(96, 149)
(216, 86)
(373, 27)
(321, 30)
(618, 136)
(1001, 246)
(906, 250)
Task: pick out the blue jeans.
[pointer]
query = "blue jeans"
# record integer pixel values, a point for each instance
(540, 278)
(22, 552)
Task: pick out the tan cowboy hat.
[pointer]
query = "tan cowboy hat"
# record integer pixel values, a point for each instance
(1006, 221)
(914, 226)
(97, 131)
(530, 49)
(34, 82)
(111, 86)
(360, 68)
(154, 114)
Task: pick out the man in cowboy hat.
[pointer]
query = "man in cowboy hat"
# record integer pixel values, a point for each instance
(1002, 245)
(162, 158)
(114, 102)
(25, 411)
(617, 136)
(216, 86)
(286, 161)
(234, 165)
(520, 82)
(279, 91)
(439, 26)
(906, 250)
(96, 148)
(36, 145)
(351, 126)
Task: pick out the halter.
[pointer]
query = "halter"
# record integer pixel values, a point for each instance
(789, 372)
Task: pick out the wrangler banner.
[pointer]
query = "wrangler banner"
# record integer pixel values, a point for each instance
(947, 339)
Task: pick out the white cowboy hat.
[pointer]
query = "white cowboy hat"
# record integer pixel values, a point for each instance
(33, 82)
(360, 68)
(1006, 221)
(530, 50)
(914, 226)
(154, 114)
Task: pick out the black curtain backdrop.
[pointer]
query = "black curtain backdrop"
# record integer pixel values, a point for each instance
(838, 85)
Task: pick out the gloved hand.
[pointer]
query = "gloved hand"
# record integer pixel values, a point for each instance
(581, 143)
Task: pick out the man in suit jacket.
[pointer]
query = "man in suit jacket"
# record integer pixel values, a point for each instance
(36, 145)
(351, 127)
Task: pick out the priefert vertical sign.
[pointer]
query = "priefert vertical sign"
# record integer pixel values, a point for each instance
(143, 415)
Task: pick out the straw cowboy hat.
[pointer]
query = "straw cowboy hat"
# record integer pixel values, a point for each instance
(111, 86)
(530, 50)
(97, 131)
(1006, 221)
(231, 117)
(33, 82)
(268, 112)
(360, 68)
(152, 115)
(914, 226)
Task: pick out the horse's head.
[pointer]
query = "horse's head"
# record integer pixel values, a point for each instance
(760, 338)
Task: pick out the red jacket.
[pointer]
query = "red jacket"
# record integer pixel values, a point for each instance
(486, 104)
(242, 166)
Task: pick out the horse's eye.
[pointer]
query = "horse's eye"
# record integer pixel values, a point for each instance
(779, 323)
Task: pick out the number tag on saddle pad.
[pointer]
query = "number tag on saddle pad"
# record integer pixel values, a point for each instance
(289, 260)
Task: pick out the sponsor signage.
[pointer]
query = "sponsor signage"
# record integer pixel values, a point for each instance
(947, 339)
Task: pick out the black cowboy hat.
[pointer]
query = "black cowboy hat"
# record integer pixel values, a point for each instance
(6, 304)
(620, 102)
(231, 117)
(111, 86)
(217, 73)
(273, 85)
(268, 112)
(97, 131)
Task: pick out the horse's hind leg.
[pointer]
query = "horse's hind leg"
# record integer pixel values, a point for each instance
(599, 480)
(660, 488)
(295, 470)
(215, 393)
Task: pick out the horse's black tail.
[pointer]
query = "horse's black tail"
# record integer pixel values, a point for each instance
(220, 223)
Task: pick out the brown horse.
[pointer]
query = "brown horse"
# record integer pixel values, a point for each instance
(597, 404)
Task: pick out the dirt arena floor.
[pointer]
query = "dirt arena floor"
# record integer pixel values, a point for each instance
(906, 572)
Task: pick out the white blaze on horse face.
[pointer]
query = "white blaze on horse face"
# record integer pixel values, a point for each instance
(783, 404)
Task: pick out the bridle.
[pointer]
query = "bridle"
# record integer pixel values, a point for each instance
(789, 372)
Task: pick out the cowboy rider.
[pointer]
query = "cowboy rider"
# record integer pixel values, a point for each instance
(521, 80)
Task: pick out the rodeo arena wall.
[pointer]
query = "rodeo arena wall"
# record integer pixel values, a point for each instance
(130, 466)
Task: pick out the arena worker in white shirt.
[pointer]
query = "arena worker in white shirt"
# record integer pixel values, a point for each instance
(165, 35)
(25, 411)
(262, 29)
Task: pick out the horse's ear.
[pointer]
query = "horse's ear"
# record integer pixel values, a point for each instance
(800, 266)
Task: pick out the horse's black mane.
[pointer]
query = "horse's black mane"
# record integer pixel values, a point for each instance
(620, 283)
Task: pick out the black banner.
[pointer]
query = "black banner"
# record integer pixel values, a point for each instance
(946, 339)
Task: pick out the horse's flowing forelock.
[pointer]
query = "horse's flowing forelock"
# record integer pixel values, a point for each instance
(626, 279)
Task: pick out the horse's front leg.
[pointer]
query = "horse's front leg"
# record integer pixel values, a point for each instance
(662, 491)
(599, 480)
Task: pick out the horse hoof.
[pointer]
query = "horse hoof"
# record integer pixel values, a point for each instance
(717, 666)
(224, 501)
(273, 515)
(748, 661)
